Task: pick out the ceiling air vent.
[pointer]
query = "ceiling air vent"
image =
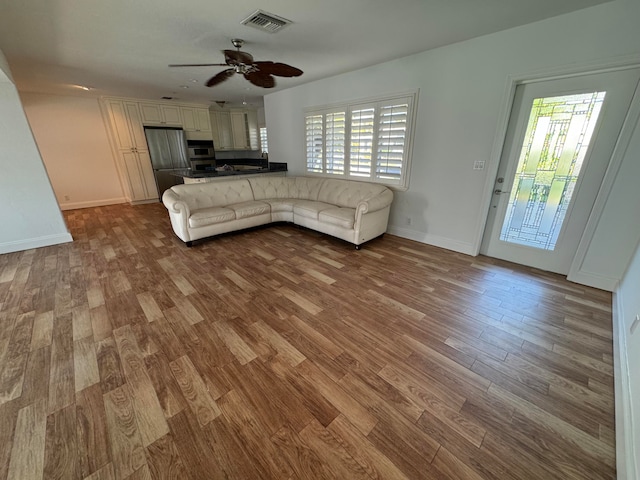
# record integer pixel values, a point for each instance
(267, 22)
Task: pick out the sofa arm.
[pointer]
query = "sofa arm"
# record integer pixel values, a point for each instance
(376, 203)
(179, 213)
(174, 204)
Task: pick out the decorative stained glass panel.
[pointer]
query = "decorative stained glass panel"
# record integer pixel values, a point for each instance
(553, 151)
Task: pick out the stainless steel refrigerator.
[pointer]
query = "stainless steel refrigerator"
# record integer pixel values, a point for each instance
(168, 152)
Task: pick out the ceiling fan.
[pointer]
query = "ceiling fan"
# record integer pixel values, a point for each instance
(258, 73)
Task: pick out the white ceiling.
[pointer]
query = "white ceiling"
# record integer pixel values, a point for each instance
(123, 47)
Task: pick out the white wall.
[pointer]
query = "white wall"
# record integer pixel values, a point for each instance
(73, 142)
(627, 376)
(30, 216)
(463, 99)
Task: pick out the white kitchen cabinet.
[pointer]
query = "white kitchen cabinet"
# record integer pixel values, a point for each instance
(126, 125)
(221, 128)
(159, 114)
(126, 119)
(195, 119)
(140, 179)
(239, 130)
(235, 130)
(130, 145)
(138, 139)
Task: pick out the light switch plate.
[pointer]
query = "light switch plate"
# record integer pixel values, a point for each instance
(478, 165)
(635, 324)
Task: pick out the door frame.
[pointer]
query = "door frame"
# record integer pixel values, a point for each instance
(622, 143)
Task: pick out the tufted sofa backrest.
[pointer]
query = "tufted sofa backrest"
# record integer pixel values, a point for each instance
(346, 193)
(306, 188)
(302, 188)
(271, 187)
(214, 194)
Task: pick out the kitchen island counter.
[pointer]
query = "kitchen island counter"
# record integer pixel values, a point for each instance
(191, 176)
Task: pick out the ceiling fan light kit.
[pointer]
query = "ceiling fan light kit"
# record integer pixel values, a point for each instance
(260, 74)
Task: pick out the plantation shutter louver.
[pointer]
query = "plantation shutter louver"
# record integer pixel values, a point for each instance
(392, 128)
(361, 141)
(314, 143)
(335, 142)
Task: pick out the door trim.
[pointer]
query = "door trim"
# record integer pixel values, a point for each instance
(576, 273)
(509, 91)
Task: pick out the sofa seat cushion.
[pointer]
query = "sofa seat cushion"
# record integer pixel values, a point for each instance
(309, 208)
(340, 217)
(210, 216)
(249, 209)
(281, 204)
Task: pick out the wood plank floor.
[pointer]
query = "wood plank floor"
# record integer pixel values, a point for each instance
(280, 353)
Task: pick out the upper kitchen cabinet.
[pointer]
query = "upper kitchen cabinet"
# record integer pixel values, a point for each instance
(221, 129)
(159, 114)
(195, 119)
(196, 123)
(126, 124)
(235, 129)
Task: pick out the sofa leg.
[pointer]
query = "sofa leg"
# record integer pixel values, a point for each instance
(358, 247)
(189, 244)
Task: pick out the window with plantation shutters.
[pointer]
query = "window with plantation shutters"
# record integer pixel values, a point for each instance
(368, 141)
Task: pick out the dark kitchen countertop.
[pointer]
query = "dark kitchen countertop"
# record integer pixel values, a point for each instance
(188, 173)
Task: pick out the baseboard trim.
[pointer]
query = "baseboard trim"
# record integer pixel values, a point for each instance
(625, 448)
(29, 243)
(435, 240)
(144, 202)
(593, 280)
(92, 203)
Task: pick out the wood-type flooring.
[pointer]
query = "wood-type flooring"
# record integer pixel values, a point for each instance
(281, 353)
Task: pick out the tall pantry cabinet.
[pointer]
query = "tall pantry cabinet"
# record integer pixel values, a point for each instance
(132, 153)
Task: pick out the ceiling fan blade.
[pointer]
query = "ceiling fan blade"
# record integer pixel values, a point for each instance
(279, 69)
(200, 65)
(261, 79)
(220, 77)
(235, 57)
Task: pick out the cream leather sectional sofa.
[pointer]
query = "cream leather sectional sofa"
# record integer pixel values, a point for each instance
(353, 211)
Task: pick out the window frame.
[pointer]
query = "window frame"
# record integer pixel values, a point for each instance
(319, 142)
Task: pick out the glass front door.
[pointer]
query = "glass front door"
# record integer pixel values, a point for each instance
(559, 142)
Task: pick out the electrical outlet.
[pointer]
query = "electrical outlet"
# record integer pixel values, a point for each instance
(478, 165)
(635, 324)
